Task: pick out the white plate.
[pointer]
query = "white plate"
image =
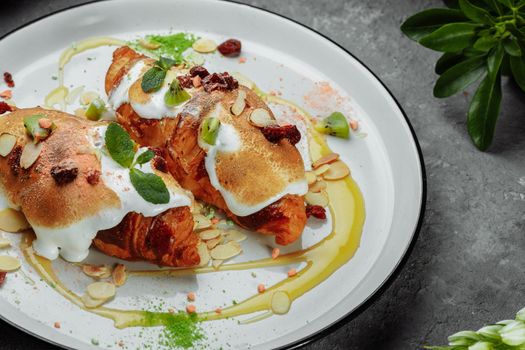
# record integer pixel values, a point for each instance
(281, 55)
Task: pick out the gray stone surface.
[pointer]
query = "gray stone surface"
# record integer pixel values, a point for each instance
(466, 268)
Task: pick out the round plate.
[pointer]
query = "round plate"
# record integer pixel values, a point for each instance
(282, 56)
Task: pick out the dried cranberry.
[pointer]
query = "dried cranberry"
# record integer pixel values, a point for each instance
(200, 71)
(2, 277)
(275, 133)
(4, 107)
(65, 172)
(316, 211)
(219, 81)
(8, 78)
(93, 176)
(230, 48)
(14, 160)
(186, 81)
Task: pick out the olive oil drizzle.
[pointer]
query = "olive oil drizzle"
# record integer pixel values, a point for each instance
(322, 259)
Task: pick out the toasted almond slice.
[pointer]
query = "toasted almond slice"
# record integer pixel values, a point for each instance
(102, 271)
(91, 303)
(226, 251)
(148, 45)
(30, 154)
(216, 263)
(88, 97)
(311, 178)
(80, 112)
(318, 186)
(338, 170)
(214, 242)
(320, 198)
(119, 275)
(234, 235)
(13, 221)
(7, 142)
(327, 159)
(280, 302)
(101, 290)
(260, 117)
(243, 80)
(9, 263)
(322, 169)
(4, 242)
(239, 104)
(204, 45)
(201, 222)
(203, 253)
(209, 234)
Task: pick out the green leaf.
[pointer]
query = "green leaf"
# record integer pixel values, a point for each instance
(165, 63)
(453, 4)
(459, 77)
(150, 186)
(451, 37)
(475, 13)
(175, 94)
(153, 79)
(120, 145)
(507, 3)
(145, 157)
(427, 21)
(483, 112)
(517, 66)
(485, 43)
(448, 60)
(512, 47)
(494, 61)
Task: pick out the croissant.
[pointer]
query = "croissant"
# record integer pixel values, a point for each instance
(258, 172)
(57, 173)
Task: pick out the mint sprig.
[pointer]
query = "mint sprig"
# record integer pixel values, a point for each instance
(121, 148)
(152, 80)
(481, 40)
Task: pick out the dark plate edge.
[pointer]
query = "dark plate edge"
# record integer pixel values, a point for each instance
(393, 275)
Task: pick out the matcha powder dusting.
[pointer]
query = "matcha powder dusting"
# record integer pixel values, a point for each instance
(180, 329)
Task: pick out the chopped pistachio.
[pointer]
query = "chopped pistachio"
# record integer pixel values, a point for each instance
(34, 128)
(209, 130)
(95, 109)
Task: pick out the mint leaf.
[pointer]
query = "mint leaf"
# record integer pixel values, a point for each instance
(151, 187)
(145, 157)
(153, 79)
(120, 145)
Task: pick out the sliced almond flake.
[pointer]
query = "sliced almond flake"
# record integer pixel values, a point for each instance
(4, 242)
(243, 80)
(204, 45)
(119, 275)
(13, 221)
(91, 303)
(148, 45)
(322, 169)
(320, 198)
(7, 142)
(239, 104)
(80, 112)
(101, 290)
(209, 234)
(311, 178)
(280, 302)
(327, 159)
(9, 263)
(204, 254)
(88, 97)
(102, 271)
(201, 222)
(260, 117)
(30, 154)
(226, 251)
(234, 235)
(217, 263)
(338, 170)
(318, 186)
(214, 242)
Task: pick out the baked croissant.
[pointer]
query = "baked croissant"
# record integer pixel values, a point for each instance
(259, 184)
(57, 172)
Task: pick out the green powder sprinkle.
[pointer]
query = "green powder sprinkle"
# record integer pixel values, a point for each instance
(180, 329)
(171, 46)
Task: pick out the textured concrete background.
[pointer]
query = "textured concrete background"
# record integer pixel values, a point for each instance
(467, 266)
